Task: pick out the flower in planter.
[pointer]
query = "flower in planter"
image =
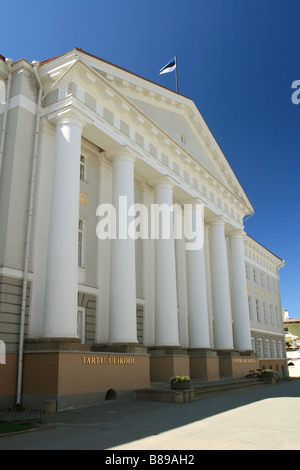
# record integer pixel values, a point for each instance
(267, 371)
(180, 378)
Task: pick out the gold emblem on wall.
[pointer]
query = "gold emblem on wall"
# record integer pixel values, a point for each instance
(83, 198)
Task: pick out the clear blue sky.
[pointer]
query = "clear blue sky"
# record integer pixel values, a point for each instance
(237, 60)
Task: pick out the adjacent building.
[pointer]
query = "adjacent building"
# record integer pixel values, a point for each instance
(84, 316)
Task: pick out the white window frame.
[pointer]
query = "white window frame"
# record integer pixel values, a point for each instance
(83, 167)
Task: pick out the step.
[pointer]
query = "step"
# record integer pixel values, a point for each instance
(162, 391)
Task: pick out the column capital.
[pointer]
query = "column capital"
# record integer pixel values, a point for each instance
(218, 220)
(69, 115)
(237, 233)
(124, 153)
(162, 181)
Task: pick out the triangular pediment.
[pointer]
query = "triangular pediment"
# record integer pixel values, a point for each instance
(173, 116)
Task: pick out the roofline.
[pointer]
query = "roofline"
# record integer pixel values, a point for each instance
(282, 260)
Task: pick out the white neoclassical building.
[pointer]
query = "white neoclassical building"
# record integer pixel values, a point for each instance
(84, 315)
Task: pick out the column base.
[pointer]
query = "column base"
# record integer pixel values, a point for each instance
(165, 362)
(125, 348)
(204, 364)
(54, 344)
(236, 364)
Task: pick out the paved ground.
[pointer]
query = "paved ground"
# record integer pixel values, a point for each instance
(260, 419)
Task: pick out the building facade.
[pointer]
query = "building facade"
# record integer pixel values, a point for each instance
(83, 315)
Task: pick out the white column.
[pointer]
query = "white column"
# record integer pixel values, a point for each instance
(208, 283)
(181, 276)
(148, 274)
(166, 318)
(242, 335)
(220, 287)
(197, 298)
(122, 328)
(61, 291)
(103, 261)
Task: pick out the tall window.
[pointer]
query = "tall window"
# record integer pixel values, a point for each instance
(257, 310)
(261, 349)
(80, 243)
(254, 275)
(81, 324)
(268, 349)
(250, 308)
(247, 271)
(82, 168)
(265, 312)
(272, 315)
(277, 316)
(274, 348)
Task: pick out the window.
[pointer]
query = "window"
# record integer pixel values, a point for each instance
(261, 349)
(280, 349)
(262, 279)
(274, 349)
(81, 324)
(247, 272)
(257, 310)
(254, 275)
(268, 283)
(250, 308)
(277, 316)
(80, 243)
(253, 344)
(265, 312)
(82, 168)
(272, 315)
(268, 350)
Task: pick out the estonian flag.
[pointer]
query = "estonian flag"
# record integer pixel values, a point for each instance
(169, 67)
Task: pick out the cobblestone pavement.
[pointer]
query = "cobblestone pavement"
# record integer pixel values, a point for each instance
(259, 419)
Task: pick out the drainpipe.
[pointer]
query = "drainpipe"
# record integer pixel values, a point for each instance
(28, 235)
(3, 131)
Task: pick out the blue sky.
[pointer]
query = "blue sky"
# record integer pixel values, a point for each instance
(237, 60)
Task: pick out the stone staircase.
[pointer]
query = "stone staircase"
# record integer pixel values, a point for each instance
(161, 391)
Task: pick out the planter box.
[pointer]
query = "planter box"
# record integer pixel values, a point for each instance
(180, 385)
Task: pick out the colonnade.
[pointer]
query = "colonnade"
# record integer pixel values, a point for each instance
(229, 305)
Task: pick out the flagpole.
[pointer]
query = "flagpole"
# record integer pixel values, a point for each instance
(176, 74)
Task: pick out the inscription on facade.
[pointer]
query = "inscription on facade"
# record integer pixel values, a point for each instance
(110, 360)
(244, 360)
